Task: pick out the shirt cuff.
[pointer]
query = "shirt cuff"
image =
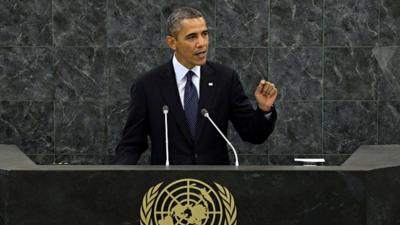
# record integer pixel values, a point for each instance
(267, 114)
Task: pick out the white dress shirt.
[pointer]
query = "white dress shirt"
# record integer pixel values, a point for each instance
(180, 75)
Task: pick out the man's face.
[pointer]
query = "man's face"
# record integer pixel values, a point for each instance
(191, 42)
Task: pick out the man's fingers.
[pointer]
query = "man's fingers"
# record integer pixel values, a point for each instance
(273, 91)
(260, 86)
(267, 89)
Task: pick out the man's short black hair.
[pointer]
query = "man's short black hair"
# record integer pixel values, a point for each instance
(174, 20)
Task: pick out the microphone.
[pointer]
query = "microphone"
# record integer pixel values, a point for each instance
(204, 112)
(165, 111)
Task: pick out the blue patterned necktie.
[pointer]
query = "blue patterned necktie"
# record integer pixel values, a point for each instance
(191, 100)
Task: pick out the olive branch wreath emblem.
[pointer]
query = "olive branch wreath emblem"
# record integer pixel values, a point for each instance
(147, 205)
(228, 200)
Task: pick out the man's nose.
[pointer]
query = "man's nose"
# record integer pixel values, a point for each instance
(202, 42)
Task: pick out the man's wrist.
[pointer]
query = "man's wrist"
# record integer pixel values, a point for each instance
(265, 109)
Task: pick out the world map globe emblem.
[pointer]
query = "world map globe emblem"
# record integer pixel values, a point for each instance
(187, 202)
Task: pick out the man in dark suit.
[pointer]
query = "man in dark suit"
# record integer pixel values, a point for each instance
(187, 84)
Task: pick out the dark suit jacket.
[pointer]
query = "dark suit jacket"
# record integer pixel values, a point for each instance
(221, 93)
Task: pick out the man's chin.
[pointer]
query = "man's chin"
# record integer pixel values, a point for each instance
(201, 62)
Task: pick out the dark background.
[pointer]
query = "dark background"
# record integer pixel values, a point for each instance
(66, 68)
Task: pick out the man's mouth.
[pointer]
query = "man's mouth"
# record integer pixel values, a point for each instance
(201, 54)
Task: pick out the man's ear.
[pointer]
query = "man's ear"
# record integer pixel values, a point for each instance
(171, 42)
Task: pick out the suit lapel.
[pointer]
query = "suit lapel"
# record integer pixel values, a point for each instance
(171, 96)
(208, 87)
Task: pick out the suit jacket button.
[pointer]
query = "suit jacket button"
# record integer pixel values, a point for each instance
(196, 156)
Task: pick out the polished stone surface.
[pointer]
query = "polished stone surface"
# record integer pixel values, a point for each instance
(348, 124)
(242, 23)
(80, 128)
(297, 73)
(389, 122)
(389, 22)
(351, 23)
(299, 128)
(350, 74)
(388, 59)
(365, 158)
(80, 74)
(382, 196)
(359, 194)
(374, 156)
(316, 52)
(26, 74)
(261, 197)
(250, 159)
(27, 124)
(117, 114)
(82, 23)
(125, 65)
(12, 156)
(3, 196)
(25, 23)
(78, 160)
(250, 63)
(296, 22)
(42, 159)
(134, 23)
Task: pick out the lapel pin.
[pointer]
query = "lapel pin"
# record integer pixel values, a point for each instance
(211, 84)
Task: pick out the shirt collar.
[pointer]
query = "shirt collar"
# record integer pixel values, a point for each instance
(181, 70)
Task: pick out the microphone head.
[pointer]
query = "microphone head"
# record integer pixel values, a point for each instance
(204, 112)
(165, 109)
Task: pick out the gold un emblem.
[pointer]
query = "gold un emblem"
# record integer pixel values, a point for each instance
(188, 202)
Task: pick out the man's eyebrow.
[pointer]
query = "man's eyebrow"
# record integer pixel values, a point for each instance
(191, 34)
(194, 33)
